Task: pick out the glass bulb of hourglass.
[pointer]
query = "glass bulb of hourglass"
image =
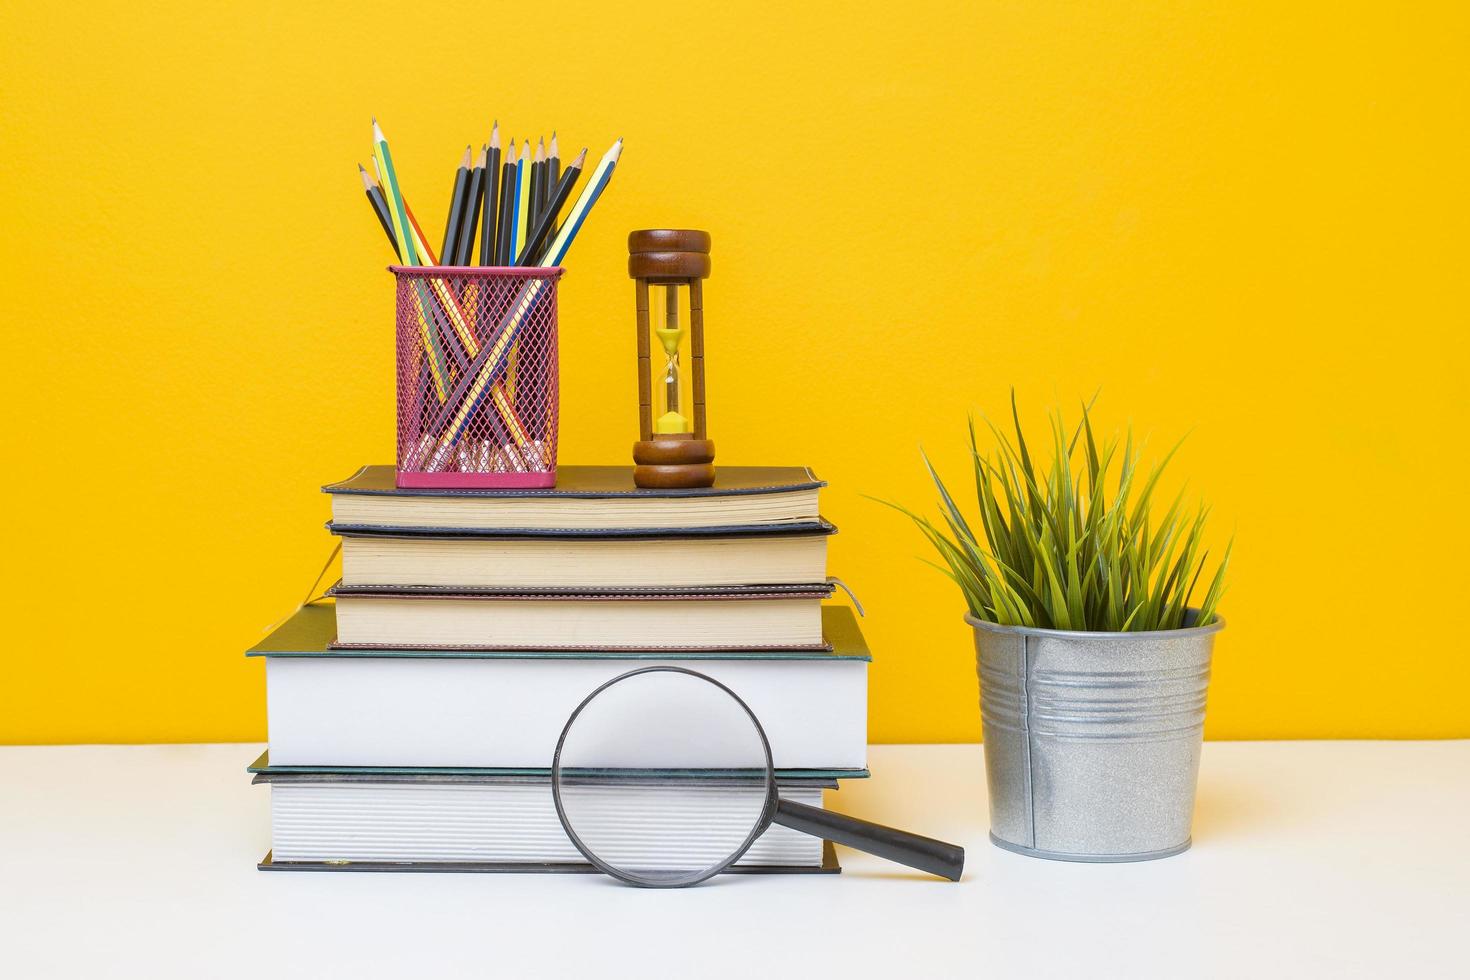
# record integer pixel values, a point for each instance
(671, 420)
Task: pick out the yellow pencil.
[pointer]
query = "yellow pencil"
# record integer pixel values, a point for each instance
(523, 197)
(591, 191)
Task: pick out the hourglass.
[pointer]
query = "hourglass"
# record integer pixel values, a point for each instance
(673, 449)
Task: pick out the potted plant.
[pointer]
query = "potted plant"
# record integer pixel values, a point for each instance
(1093, 664)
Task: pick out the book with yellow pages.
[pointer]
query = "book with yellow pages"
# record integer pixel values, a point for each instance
(585, 498)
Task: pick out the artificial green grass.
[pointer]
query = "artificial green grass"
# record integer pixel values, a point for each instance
(1060, 552)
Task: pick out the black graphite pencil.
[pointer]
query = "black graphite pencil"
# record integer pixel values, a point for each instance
(380, 204)
(491, 198)
(537, 198)
(471, 216)
(536, 241)
(456, 208)
(507, 209)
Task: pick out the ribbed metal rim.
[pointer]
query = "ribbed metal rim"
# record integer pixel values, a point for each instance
(1185, 633)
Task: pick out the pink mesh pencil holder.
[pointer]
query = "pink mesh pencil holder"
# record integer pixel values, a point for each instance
(477, 376)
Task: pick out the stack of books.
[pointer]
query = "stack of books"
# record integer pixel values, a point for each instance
(412, 721)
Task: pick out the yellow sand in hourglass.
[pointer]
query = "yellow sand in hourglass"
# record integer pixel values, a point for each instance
(671, 335)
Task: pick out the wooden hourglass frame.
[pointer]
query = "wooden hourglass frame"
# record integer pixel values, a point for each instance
(673, 450)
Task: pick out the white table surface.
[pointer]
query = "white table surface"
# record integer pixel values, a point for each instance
(1334, 859)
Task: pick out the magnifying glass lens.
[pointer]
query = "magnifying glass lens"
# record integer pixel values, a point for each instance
(662, 778)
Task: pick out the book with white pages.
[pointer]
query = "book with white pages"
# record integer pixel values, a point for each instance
(505, 709)
(504, 821)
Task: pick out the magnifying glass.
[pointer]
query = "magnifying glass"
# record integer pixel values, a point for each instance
(663, 778)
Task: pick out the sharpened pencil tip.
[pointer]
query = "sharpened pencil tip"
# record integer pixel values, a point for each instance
(581, 159)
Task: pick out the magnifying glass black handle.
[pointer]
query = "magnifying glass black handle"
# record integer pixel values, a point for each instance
(923, 853)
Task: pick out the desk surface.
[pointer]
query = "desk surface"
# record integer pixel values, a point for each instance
(1334, 859)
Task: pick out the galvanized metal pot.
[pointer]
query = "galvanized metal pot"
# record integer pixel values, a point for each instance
(1092, 740)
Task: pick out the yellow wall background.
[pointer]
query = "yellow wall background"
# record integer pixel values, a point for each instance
(1242, 220)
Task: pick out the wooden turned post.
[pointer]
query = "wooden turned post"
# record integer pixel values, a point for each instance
(671, 258)
(645, 382)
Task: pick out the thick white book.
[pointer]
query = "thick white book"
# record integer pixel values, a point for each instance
(511, 820)
(506, 709)
(750, 618)
(542, 559)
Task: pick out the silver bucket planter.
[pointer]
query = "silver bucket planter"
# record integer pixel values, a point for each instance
(1092, 740)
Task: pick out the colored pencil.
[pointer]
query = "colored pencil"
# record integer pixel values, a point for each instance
(523, 198)
(553, 168)
(433, 359)
(379, 203)
(420, 240)
(445, 305)
(390, 192)
(535, 245)
(491, 196)
(434, 363)
(406, 236)
(456, 205)
(578, 214)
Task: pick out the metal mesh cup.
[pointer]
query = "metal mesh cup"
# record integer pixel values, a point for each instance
(477, 376)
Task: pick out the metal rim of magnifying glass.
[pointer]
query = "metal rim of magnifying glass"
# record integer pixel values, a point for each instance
(762, 822)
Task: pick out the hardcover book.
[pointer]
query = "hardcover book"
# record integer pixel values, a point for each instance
(541, 559)
(493, 821)
(584, 498)
(505, 709)
(734, 618)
